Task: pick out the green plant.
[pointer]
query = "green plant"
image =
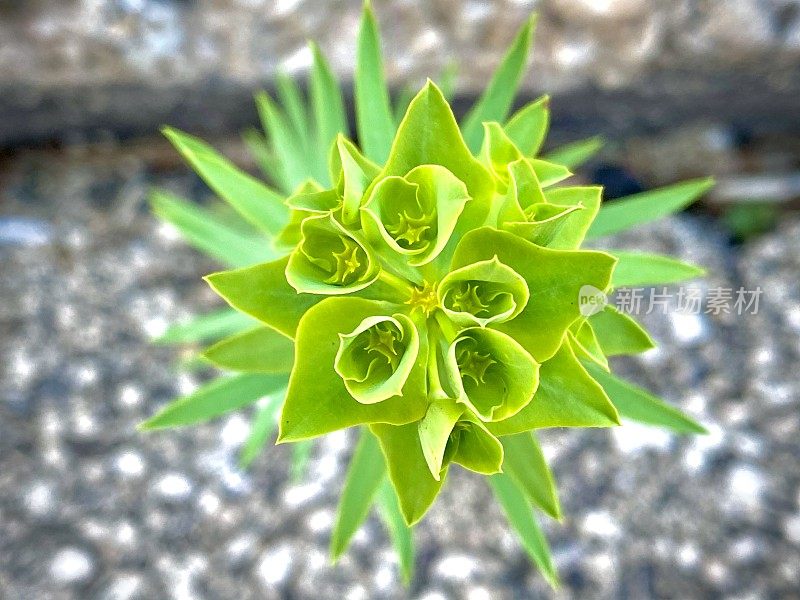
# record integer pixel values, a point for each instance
(423, 287)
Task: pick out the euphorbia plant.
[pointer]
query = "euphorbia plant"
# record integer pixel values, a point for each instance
(423, 287)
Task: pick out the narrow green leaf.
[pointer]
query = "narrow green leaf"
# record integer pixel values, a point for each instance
(265, 159)
(366, 472)
(286, 145)
(260, 350)
(637, 268)
(262, 292)
(524, 462)
(521, 518)
(618, 333)
(206, 327)
(201, 230)
(215, 398)
(496, 100)
(637, 404)
(301, 455)
(401, 534)
(573, 155)
(528, 127)
(263, 424)
(638, 209)
(294, 106)
(374, 120)
(327, 104)
(257, 203)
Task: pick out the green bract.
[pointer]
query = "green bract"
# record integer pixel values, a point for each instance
(426, 287)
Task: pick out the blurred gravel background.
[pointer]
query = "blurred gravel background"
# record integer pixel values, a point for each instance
(90, 508)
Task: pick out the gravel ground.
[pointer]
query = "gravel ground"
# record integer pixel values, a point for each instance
(90, 508)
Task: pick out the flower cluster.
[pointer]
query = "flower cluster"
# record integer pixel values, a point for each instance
(436, 288)
(427, 286)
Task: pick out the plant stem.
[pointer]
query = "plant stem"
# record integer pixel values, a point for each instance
(447, 327)
(397, 283)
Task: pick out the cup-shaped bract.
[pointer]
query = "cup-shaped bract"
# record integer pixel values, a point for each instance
(330, 259)
(450, 432)
(482, 293)
(490, 373)
(415, 214)
(376, 358)
(473, 447)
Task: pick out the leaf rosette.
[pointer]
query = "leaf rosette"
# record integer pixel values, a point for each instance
(376, 358)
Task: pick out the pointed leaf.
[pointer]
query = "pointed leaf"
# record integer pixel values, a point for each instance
(575, 154)
(525, 464)
(318, 401)
(210, 326)
(528, 127)
(571, 235)
(286, 144)
(413, 483)
(202, 231)
(261, 428)
(585, 345)
(429, 135)
(496, 100)
(261, 350)
(638, 269)
(400, 533)
(330, 118)
(520, 517)
(364, 476)
(567, 396)
(294, 106)
(549, 173)
(357, 173)
(259, 147)
(618, 333)
(257, 203)
(434, 432)
(220, 396)
(639, 405)
(374, 119)
(639, 209)
(554, 278)
(262, 292)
